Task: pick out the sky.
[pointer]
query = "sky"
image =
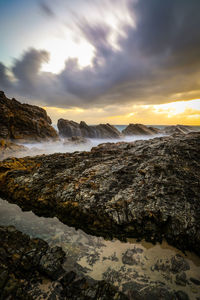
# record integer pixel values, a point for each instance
(116, 61)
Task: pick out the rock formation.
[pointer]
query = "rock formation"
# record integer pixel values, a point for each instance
(30, 269)
(144, 189)
(177, 129)
(103, 131)
(140, 129)
(8, 149)
(23, 121)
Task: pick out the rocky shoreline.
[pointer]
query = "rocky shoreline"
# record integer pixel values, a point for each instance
(30, 269)
(146, 189)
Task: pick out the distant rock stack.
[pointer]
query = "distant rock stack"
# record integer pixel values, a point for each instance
(71, 129)
(23, 121)
(177, 129)
(140, 129)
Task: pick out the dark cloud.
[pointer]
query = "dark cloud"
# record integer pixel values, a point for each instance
(156, 61)
(4, 78)
(46, 9)
(27, 69)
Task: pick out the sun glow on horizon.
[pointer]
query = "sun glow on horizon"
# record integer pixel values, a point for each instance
(180, 112)
(178, 107)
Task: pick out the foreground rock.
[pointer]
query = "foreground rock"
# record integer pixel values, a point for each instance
(144, 189)
(8, 149)
(177, 129)
(30, 269)
(103, 131)
(23, 121)
(140, 129)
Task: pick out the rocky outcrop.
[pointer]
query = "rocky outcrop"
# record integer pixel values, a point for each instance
(23, 121)
(30, 269)
(8, 149)
(103, 131)
(140, 129)
(144, 189)
(177, 129)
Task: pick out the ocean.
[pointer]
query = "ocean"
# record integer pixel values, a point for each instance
(63, 147)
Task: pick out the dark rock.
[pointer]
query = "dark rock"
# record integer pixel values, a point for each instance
(144, 189)
(195, 281)
(181, 279)
(139, 129)
(103, 131)
(23, 121)
(30, 269)
(180, 295)
(148, 292)
(50, 263)
(129, 257)
(178, 264)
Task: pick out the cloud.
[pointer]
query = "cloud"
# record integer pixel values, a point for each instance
(45, 8)
(156, 61)
(4, 78)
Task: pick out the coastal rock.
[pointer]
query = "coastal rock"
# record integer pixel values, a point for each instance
(103, 131)
(8, 149)
(24, 122)
(177, 129)
(145, 189)
(30, 269)
(140, 129)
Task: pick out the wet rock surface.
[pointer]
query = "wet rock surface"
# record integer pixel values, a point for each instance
(24, 122)
(30, 269)
(140, 129)
(106, 260)
(8, 149)
(144, 189)
(103, 131)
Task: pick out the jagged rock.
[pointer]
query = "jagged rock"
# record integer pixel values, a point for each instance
(144, 189)
(139, 129)
(30, 269)
(103, 131)
(195, 281)
(177, 129)
(8, 149)
(23, 121)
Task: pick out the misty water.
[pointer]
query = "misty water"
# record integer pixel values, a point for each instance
(63, 145)
(124, 264)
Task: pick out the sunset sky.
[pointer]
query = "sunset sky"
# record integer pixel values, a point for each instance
(116, 61)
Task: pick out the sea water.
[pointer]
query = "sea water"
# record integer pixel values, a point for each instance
(125, 264)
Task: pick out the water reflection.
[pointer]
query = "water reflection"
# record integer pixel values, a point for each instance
(128, 265)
